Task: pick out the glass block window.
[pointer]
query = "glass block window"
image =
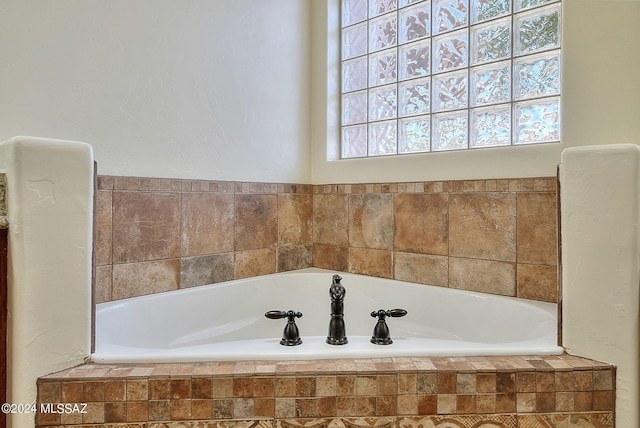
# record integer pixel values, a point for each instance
(433, 75)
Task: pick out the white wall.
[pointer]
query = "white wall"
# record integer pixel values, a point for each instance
(221, 89)
(600, 102)
(206, 89)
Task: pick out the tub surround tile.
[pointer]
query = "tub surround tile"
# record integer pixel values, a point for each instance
(331, 219)
(331, 257)
(537, 230)
(207, 223)
(103, 286)
(206, 228)
(483, 226)
(222, 408)
(255, 262)
(428, 228)
(207, 269)
(421, 268)
(104, 230)
(293, 257)
(537, 282)
(422, 224)
(506, 391)
(370, 262)
(256, 225)
(486, 276)
(371, 221)
(295, 219)
(143, 278)
(159, 389)
(151, 220)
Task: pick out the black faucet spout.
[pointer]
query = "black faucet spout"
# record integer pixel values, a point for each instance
(337, 331)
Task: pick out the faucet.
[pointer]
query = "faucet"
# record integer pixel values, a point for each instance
(381, 330)
(337, 333)
(291, 334)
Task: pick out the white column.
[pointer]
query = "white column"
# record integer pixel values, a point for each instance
(50, 213)
(600, 192)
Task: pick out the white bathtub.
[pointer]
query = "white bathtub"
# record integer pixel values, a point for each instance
(226, 321)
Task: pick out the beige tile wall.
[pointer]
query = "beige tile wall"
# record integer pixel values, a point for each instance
(496, 236)
(157, 235)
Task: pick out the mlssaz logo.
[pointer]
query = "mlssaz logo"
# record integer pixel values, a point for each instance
(63, 408)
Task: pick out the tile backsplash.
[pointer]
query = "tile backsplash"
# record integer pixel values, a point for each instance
(496, 236)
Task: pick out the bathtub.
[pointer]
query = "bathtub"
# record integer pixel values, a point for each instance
(226, 321)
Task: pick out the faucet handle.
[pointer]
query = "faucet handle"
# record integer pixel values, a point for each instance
(290, 335)
(381, 330)
(275, 315)
(394, 313)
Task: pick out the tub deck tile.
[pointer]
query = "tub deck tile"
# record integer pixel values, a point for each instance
(407, 391)
(563, 362)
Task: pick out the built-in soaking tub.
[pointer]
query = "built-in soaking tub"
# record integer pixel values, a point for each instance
(227, 321)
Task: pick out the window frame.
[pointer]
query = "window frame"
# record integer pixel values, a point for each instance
(512, 103)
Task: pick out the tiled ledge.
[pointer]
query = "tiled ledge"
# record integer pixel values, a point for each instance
(106, 182)
(537, 184)
(279, 391)
(540, 184)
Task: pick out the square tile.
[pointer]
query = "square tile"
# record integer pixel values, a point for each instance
(146, 226)
(483, 225)
(422, 223)
(208, 221)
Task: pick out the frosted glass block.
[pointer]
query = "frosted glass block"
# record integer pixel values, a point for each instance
(354, 108)
(491, 84)
(537, 30)
(491, 126)
(450, 51)
(450, 131)
(354, 74)
(354, 41)
(537, 75)
(414, 135)
(537, 121)
(415, 60)
(404, 3)
(383, 32)
(354, 141)
(449, 15)
(491, 42)
(526, 4)
(414, 97)
(383, 67)
(382, 103)
(378, 7)
(353, 11)
(482, 10)
(383, 138)
(450, 91)
(415, 22)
